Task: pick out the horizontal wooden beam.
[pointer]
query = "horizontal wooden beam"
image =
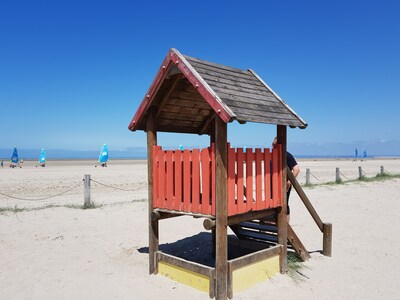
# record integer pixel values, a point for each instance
(209, 223)
(159, 215)
(182, 213)
(183, 263)
(254, 257)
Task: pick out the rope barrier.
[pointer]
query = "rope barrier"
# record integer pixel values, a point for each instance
(41, 199)
(315, 177)
(386, 171)
(114, 187)
(344, 175)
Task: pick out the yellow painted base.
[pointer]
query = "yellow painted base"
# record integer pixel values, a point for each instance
(181, 275)
(250, 275)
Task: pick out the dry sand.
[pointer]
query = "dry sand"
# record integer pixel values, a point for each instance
(68, 253)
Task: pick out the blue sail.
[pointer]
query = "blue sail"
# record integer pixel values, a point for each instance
(364, 154)
(42, 157)
(14, 157)
(103, 157)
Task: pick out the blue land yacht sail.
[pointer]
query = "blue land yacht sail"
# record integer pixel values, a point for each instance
(14, 158)
(42, 158)
(103, 157)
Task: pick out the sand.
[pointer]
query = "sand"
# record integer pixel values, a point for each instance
(64, 252)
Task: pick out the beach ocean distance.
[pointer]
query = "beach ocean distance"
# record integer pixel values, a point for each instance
(52, 248)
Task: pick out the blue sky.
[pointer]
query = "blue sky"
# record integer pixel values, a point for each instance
(73, 73)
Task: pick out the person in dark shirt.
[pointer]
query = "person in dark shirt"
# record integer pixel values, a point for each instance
(294, 167)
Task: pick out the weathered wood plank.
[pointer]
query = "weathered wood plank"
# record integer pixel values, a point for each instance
(183, 117)
(327, 240)
(153, 224)
(168, 93)
(282, 217)
(179, 123)
(221, 259)
(183, 263)
(233, 84)
(223, 71)
(196, 61)
(173, 108)
(297, 244)
(190, 103)
(254, 257)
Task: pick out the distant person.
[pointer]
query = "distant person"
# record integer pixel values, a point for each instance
(2, 164)
(294, 167)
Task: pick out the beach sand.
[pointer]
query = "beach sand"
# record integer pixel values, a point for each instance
(64, 252)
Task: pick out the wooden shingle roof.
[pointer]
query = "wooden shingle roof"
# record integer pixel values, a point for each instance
(188, 93)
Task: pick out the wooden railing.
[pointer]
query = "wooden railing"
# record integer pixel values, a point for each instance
(254, 179)
(185, 180)
(325, 228)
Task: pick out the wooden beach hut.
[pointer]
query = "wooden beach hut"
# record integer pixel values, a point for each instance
(225, 186)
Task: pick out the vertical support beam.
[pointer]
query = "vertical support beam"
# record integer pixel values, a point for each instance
(282, 217)
(153, 224)
(86, 191)
(221, 251)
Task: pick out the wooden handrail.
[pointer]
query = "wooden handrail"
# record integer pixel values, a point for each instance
(305, 200)
(326, 228)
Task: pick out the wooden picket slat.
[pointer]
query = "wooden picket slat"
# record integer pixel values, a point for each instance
(178, 204)
(232, 206)
(161, 178)
(156, 164)
(205, 173)
(267, 178)
(211, 209)
(240, 183)
(259, 200)
(279, 167)
(186, 180)
(169, 180)
(275, 177)
(195, 181)
(249, 179)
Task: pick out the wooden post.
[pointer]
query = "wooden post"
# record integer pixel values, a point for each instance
(382, 170)
(221, 251)
(153, 224)
(86, 191)
(338, 180)
(282, 217)
(360, 175)
(308, 177)
(327, 240)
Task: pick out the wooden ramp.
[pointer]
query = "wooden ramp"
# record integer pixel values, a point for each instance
(267, 232)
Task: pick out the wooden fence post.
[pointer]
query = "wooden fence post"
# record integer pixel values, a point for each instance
(327, 240)
(382, 170)
(307, 177)
(86, 191)
(338, 175)
(360, 175)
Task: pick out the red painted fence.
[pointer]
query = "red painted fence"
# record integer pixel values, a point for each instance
(185, 180)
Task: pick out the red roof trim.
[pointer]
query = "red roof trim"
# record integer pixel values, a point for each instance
(162, 71)
(190, 73)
